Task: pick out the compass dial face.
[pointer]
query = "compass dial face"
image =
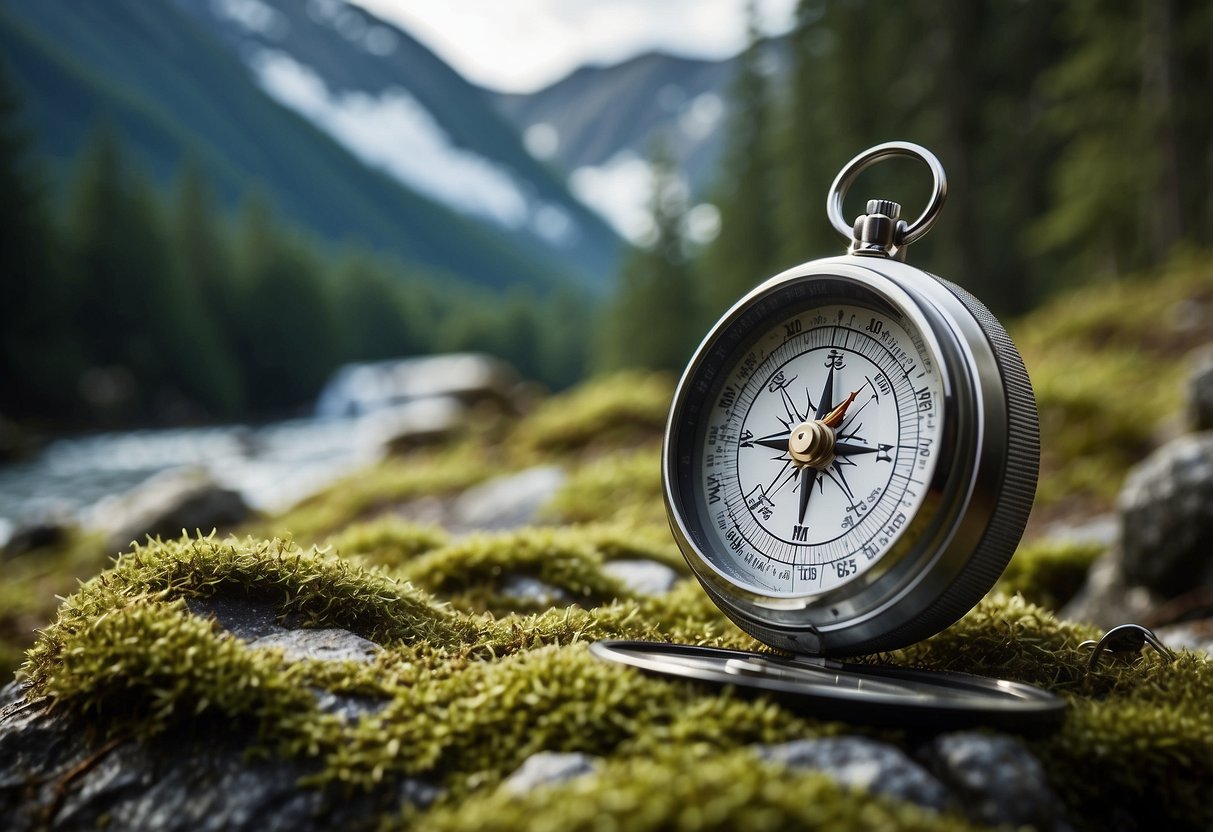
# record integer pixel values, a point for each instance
(817, 450)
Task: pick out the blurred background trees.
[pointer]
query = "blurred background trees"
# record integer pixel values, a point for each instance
(1078, 139)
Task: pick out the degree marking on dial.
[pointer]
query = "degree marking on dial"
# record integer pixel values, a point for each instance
(902, 420)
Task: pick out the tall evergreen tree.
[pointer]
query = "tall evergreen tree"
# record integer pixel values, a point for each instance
(653, 320)
(1132, 113)
(375, 316)
(855, 82)
(39, 357)
(289, 334)
(746, 250)
(103, 241)
(565, 338)
(204, 263)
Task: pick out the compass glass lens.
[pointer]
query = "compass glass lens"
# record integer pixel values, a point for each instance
(815, 448)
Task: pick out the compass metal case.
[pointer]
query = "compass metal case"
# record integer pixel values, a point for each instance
(981, 480)
(849, 463)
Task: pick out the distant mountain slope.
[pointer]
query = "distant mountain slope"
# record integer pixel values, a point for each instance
(176, 80)
(597, 111)
(599, 123)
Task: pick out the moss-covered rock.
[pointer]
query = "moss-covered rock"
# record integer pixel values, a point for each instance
(460, 699)
(616, 411)
(1089, 345)
(1049, 572)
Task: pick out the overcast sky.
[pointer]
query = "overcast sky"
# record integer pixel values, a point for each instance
(523, 45)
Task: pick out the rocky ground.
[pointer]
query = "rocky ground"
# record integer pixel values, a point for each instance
(408, 648)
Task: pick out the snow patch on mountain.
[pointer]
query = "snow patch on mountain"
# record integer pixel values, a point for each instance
(352, 24)
(619, 190)
(622, 191)
(253, 16)
(394, 132)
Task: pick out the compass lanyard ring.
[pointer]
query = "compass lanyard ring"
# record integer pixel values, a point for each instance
(880, 232)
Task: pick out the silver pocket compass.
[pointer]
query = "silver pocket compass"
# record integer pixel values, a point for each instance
(848, 465)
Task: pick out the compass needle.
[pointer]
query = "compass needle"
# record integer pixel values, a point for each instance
(824, 405)
(808, 477)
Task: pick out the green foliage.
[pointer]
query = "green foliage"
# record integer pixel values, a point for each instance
(33, 281)
(1048, 573)
(387, 541)
(1132, 116)
(164, 310)
(34, 584)
(470, 572)
(614, 411)
(363, 495)
(207, 271)
(1107, 367)
(618, 488)
(289, 333)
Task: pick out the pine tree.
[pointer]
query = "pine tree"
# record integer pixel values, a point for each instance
(204, 264)
(746, 250)
(653, 320)
(290, 337)
(564, 338)
(39, 357)
(1132, 108)
(375, 316)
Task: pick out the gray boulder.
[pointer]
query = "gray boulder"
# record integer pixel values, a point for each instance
(54, 773)
(331, 645)
(549, 768)
(1196, 636)
(863, 763)
(1106, 598)
(471, 378)
(1200, 389)
(165, 504)
(507, 502)
(413, 425)
(532, 592)
(996, 780)
(241, 615)
(644, 577)
(1166, 512)
(38, 534)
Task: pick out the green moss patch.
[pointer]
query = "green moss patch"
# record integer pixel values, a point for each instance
(466, 697)
(1139, 733)
(379, 490)
(622, 488)
(1049, 573)
(615, 411)
(1084, 349)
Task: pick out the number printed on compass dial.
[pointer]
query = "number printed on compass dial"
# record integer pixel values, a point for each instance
(819, 448)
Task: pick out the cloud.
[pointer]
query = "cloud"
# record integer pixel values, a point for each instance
(522, 45)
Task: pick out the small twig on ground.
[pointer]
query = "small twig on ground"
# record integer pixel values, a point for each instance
(1177, 608)
(61, 788)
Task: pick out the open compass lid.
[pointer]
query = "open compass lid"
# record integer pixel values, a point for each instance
(873, 694)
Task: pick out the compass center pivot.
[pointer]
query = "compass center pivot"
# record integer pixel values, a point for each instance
(811, 445)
